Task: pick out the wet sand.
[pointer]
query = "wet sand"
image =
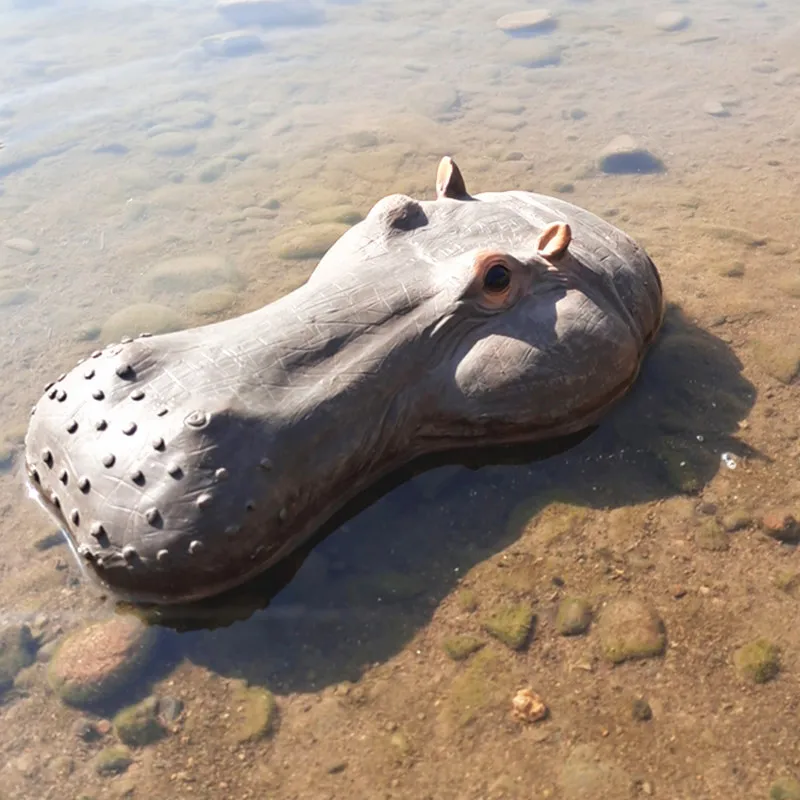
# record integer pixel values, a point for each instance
(129, 147)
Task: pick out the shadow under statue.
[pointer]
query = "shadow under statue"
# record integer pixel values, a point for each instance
(374, 575)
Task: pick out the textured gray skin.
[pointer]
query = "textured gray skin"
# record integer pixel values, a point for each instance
(233, 442)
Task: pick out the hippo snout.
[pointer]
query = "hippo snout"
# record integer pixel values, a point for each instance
(155, 490)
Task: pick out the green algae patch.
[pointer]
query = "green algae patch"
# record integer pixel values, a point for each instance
(467, 600)
(574, 616)
(786, 788)
(545, 521)
(511, 625)
(138, 725)
(17, 651)
(757, 661)
(710, 536)
(629, 629)
(481, 686)
(460, 648)
(112, 761)
(94, 662)
(254, 715)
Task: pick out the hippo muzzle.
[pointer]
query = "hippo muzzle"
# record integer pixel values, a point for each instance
(183, 464)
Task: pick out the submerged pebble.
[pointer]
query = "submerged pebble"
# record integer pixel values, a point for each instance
(22, 245)
(310, 241)
(94, 662)
(574, 616)
(630, 629)
(786, 788)
(112, 761)
(461, 647)
(531, 21)
(671, 21)
(138, 725)
(533, 54)
(232, 45)
(625, 155)
(140, 318)
(17, 651)
(254, 713)
(757, 661)
(781, 524)
(511, 625)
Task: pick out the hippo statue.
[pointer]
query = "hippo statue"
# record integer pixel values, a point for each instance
(183, 464)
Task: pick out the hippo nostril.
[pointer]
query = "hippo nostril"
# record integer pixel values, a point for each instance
(129, 428)
(89, 374)
(96, 354)
(54, 500)
(64, 477)
(152, 516)
(204, 500)
(161, 412)
(52, 394)
(250, 505)
(221, 474)
(162, 555)
(265, 464)
(75, 516)
(47, 457)
(174, 470)
(137, 476)
(124, 371)
(98, 394)
(232, 530)
(61, 395)
(108, 460)
(137, 394)
(84, 485)
(101, 425)
(195, 547)
(49, 386)
(158, 443)
(35, 476)
(72, 426)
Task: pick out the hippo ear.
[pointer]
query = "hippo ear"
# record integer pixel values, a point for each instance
(450, 181)
(554, 240)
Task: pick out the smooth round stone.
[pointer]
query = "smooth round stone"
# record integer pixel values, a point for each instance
(95, 662)
(671, 21)
(22, 246)
(533, 54)
(138, 318)
(536, 20)
(173, 144)
(624, 155)
(715, 109)
(232, 45)
(310, 241)
(191, 273)
(209, 302)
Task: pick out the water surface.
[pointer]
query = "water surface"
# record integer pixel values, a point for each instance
(132, 137)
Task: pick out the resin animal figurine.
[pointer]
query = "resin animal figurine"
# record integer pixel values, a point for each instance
(183, 464)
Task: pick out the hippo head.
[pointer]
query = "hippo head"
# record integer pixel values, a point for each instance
(180, 465)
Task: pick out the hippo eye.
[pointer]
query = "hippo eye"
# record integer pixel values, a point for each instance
(497, 278)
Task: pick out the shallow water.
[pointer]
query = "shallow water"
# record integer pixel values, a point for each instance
(128, 144)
